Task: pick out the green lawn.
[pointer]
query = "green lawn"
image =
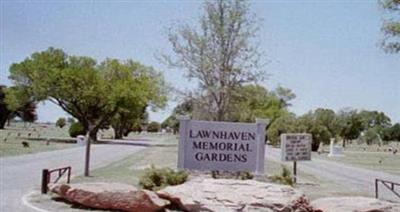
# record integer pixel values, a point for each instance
(36, 135)
(380, 161)
(132, 167)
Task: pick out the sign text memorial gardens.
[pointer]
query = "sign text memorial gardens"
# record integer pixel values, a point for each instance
(225, 146)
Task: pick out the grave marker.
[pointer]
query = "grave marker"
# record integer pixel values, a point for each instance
(334, 150)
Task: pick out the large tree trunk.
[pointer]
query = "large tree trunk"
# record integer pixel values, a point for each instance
(5, 115)
(3, 121)
(118, 133)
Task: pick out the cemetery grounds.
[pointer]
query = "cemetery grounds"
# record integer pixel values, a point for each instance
(164, 154)
(40, 138)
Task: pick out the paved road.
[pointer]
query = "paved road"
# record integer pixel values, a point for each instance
(20, 174)
(353, 178)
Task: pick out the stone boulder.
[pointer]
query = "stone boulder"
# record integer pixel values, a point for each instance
(350, 204)
(110, 196)
(234, 195)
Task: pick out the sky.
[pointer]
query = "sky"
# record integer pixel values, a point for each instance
(327, 52)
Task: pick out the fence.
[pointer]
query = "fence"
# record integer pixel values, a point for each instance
(46, 177)
(388, 184)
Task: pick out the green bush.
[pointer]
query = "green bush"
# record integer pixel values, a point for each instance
(285, 177)
(245, 176)
(157, 178)
(154, 127)
(61, 122)
(76, 129)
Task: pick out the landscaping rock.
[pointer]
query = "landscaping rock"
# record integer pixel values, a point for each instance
(350, 204)
(234, 195)
(110, 196)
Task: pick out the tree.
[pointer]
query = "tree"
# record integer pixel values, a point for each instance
(60, 122)
(286, 123)
(371, 119)
(76, 129)
(90, 92)
(220, 54)
(328, 119)
(351, 125)
(4, 111)
(184, 108)
(310, 123)
(154, 97)
(391, 26)
(371, 136)
(125, 120)
(16, 102)
(254, 101)
(285, 95)
(392, 133)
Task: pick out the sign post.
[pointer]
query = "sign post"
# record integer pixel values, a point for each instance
(296, 147)
(224, 146)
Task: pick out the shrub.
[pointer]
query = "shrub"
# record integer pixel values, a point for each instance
(245, 176)
(76, 129)
(153, 127)
(285, 177)
(60, 122)
(157, 178)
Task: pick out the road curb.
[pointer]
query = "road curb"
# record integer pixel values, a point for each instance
(26, 202)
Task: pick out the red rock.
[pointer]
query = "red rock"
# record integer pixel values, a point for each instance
(110, 196)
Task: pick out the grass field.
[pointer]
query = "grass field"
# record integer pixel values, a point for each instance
(380, 161)
(36, 135)
(132, 167)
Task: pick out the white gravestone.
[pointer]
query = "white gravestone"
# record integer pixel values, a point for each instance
(335, 150)
(81, 140)
(224, 146)
(296, 147)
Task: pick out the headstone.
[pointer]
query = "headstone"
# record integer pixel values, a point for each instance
(335, 150)
(320, 148)
(221, 146)
(296, 147)
(81, 140)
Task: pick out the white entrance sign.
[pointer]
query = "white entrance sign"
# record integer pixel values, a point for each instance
(225, 146)
(296, 147)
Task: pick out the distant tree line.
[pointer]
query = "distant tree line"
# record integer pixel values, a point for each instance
(345, 125)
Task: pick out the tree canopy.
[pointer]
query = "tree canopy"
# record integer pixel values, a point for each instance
(91, 92)
(219, 53)
(16, 102)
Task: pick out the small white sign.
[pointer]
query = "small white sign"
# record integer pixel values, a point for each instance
(296, 147)
(226, 146)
